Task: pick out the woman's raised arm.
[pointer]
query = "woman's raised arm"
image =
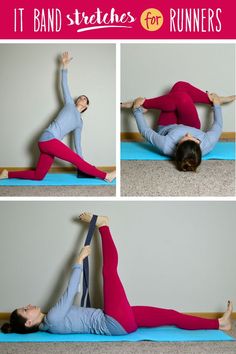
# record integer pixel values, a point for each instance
(67, 299)
(65, 60)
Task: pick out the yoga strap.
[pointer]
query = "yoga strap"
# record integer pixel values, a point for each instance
(85, 299)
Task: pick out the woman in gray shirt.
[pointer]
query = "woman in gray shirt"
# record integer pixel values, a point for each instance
(178, 133)
(50, 143)
(118, 317)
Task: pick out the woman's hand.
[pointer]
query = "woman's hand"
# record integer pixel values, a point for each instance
(85, 252)
(214, 98)
(65, 59)
(138, 102)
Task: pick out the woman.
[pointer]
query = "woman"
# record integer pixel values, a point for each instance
(50, 144)
(178, 133)
(117, 318)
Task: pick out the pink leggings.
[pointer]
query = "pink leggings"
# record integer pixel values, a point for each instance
(48, 151)
(177, 107)
(117, 305)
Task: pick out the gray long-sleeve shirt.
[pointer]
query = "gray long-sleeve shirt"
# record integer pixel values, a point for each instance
(166, 138)
(65, 317)
(68, 120)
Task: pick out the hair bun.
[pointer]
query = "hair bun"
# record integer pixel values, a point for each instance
(6, 328)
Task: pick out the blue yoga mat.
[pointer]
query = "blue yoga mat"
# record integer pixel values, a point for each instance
(160, 334)
(57, 179)
(145, 151)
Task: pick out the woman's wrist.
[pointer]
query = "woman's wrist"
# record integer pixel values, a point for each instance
(79, 260)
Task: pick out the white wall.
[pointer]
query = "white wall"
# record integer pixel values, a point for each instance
(172, 254)
(149, 70)
(31, 98)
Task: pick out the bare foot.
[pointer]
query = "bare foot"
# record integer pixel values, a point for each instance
(225, 321)
(126, 104)
(101, 220)
(227, 99)
(110, 176)
(4, 174)
(221, 99)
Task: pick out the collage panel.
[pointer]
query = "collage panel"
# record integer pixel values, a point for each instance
(50, 91)
(178, 119)
(151, 273)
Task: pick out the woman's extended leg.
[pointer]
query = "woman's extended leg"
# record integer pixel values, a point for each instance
(116, 303)
(146, 316)
(55, 148)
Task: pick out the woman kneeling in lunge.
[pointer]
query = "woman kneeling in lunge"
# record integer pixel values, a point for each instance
(117, 317)
(178, 133)
(50, 144)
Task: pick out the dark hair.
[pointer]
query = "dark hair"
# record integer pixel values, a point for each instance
(87, 102)
(17, 325)
(188, 156)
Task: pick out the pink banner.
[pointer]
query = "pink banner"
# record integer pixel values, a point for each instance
(120, 19)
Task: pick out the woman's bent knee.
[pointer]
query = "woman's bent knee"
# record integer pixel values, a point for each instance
(183, 98)
(180, 85)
